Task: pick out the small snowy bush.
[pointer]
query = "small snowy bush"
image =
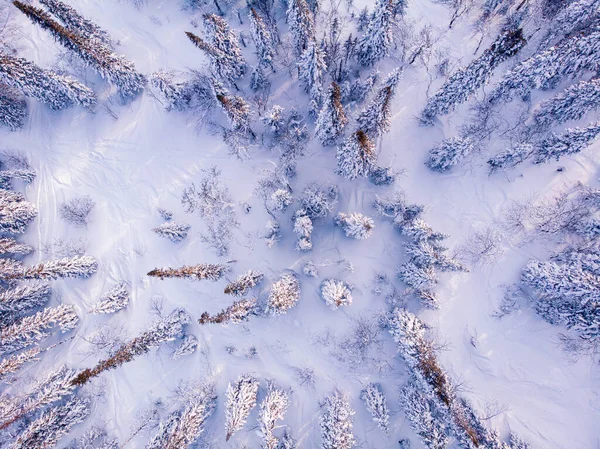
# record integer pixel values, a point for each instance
(336, 293)
(175, 232)
(114, 300)
(284, 294)
(376, 403)
(77, 210)
(241, 399)
(357, 226)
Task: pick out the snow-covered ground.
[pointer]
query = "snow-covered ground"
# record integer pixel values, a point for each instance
(142, 159)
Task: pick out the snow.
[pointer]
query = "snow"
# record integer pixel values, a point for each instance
(142, 160)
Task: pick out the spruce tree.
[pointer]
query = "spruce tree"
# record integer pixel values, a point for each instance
(263, 41)
(13, 108)
(462, 84)
(15, 212)
(236, 313)
(220, 37)
(336, 422)
(57, 91)
(211, 272)
(376, 403)
(356, 156)
(113, 300)
(241, 399)
(301, 21)
(115, 69)
(244, 283)
(284, 294)
(572, 104)
(450, 152)
(571, 141)
(75, 21)
(236, 109)
(375, 118)
(377, 41)
(272, 409)
(172, 230)
(332, 119)
(311, 70)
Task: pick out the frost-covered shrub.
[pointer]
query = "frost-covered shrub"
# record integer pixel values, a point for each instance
(281, 199)
(77, 210)
(310, 269)
(357, 91)
(244, 283)
(236, 313)
(115, 299)
(284, 294)
(188, 346)
(376, 403)
(378, 39)
(183, 91)
(450, 152)
(241, 399)
(272, 409)
(336, 422)
(174, 231)
(273, 234)
(318, 202)
(357, 226)
(336, 293)
(382, 176)
(303, 228)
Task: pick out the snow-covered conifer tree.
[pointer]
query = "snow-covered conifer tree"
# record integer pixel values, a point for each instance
(15, 212)
(376, 403)
(33, 328)
(114, 68)
(284, 294)
(236, 109)
(375, 118)
(357, 90)
(67, 267)
(449, 153)
(357, 226)
(236, 313)
(15, 362)
(356, 156)
(332, 119)
(377, 41)
(336, 293)
(576, 17)
(183, 90)
(115, 299)
(311, 70)
(572, 104)
(241, 399)
(272, 409)
(164, 330)
(184, 426)
(57, 91)
(13, 108)
(224, 42)
(545, 69)
(511, 157)
(301, 21)
(303, 227)
(571, 141)
(172, 230)
(462, 84)
(188, 346)
(9, 246)
(53, 424)
(75, 21)
(336, 422)
(24, 297)
(209, 271)
(244, 283)
(263, 40)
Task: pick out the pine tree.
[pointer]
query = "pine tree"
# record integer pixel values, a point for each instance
(357, 226)
(184, 426)
(356, 156)
(578, 16)
(263, 40)
(272, 409)
(301, 21)
(33, 328)
(244, 283)
(236, 109)
(46, 431)
(375, 118)
(75, 21)
(211, 272)
(15, 212)
(311, 69)
(236, 313)
(284, 294)
(68, 267)
(336, 422)
(225, 68)
(15, 362)
(112, 301)
(572, 104)
(332, 119)
(545, 69)
(571, 141)
(172, 230)
(164, 330)
(376, 403)
(461, 85)
(9, 246)
(13, 108)
(377, 41)
(115, 69)
(57, 91)
(511, 157)
(449, 153)
(24, 297)
(189, 345)
(221, 38)
(241, 399)
(336, 293)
